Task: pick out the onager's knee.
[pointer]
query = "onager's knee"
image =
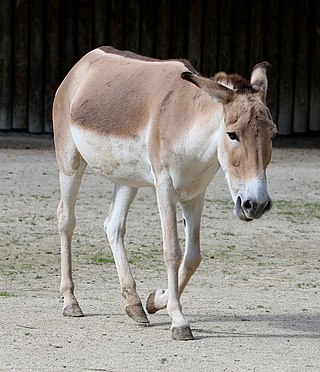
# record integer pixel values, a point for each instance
(113, 230)
(190, 265)
(66, 220)
(172, 258)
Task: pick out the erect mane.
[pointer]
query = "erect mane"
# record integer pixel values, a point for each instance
(131, 55)
(233, 81)
(189, 66)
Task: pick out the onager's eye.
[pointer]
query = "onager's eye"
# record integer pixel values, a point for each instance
(233, 136)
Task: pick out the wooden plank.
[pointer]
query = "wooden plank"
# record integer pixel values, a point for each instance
(195, 35)
(20, 65)
(257, 34)
(85, 26)
(36, 67)
(6, 48)
(52, 59)
(224, 36)
(148, 30)
(210, 38)
(179, 29)
(314, 120)
(272, 53)
(69, 36)
(101, 23)
(302, 53)
(117, 32)
(241, 42)
(163, 35)
(286, 82)
(132, 23)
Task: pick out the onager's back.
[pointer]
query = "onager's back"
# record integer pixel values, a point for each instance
(144, 122)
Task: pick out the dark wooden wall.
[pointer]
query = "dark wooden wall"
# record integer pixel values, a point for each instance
(41, 40)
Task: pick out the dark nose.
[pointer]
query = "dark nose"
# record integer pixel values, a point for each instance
(255, 210)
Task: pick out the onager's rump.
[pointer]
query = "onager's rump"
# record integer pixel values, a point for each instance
(145, 122)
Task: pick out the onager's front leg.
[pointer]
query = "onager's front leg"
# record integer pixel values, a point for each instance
(192, 212)
(167, 199)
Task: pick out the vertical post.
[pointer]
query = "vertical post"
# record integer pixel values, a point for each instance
(163, 29)
(6, 48)
(286, 81)
(36, 67)
(241, 42)
(302, 53)
(210, 37)
(85, 26)
(117, 32)
(195, 34)
(52, 60)
(225, 36)
(20, 65)
(101, 27)
(148, 28)
(314, 107)
(132, 22)
(272, 53)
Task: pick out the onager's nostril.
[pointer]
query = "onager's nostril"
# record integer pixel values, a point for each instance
(268, 206)
(249, 205)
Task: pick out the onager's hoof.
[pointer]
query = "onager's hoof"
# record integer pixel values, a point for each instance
(182, 333)
(137, 313)
(151, 309)
(73, 310)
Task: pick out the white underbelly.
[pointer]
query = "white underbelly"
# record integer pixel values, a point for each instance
(123, 160)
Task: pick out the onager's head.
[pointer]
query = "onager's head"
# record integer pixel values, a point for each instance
(245, 143)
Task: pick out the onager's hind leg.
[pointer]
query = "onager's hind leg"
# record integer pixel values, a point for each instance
(69, 186)
(115, 227)
(192, 212)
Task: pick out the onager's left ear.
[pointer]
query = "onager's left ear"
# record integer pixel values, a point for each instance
(259, 80)
(217, 91)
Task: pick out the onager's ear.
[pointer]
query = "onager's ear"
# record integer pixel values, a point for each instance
(217, 91)
(259, 80)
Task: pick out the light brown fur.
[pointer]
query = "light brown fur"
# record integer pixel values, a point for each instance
(114, 85)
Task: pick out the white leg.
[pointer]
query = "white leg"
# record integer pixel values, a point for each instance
(115, 227)
(69, 186)
(192, 212)
(167, 199)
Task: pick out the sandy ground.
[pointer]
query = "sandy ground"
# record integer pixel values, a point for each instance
(253, 305)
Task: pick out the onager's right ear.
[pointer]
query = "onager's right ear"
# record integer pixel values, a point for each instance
(217, 91)
(259, 80)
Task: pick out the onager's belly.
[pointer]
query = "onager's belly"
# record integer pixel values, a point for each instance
(123, 160)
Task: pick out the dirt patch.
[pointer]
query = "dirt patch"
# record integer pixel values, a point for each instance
(253, 305)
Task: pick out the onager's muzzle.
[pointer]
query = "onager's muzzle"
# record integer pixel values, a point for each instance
(253, 201)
